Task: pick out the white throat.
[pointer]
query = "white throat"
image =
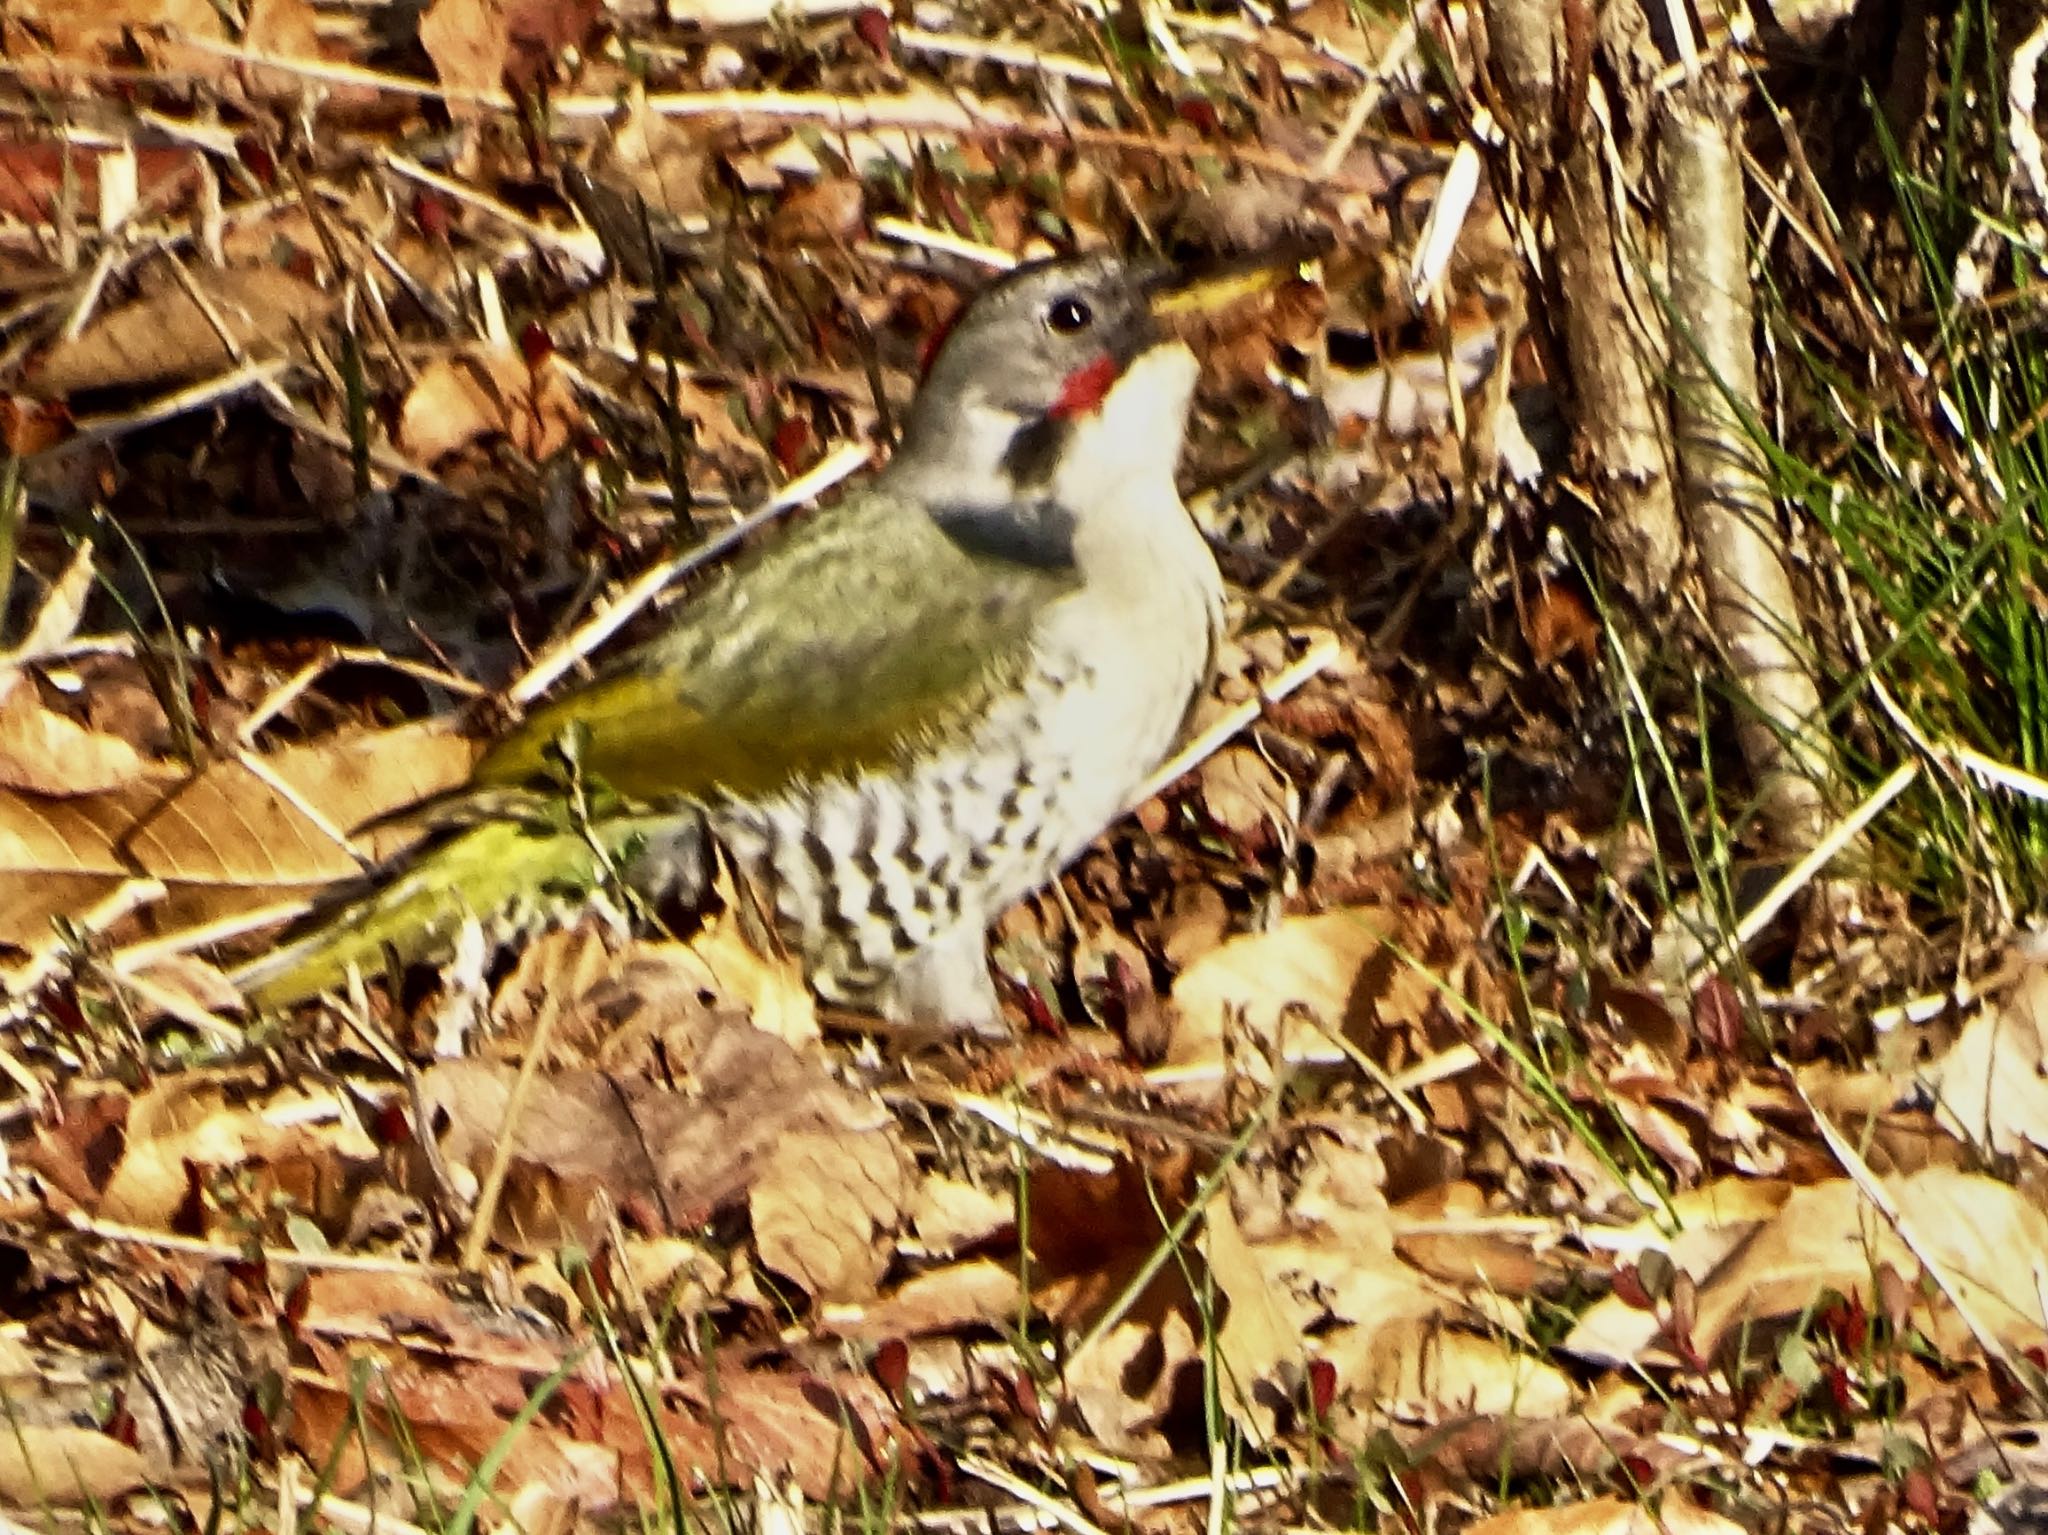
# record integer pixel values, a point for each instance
(1132, 439)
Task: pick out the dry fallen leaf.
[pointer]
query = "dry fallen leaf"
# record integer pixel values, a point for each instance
(978, 1293)
(949, 1214)
(1992, 1084)
(44, 752)
(1260, 1346)
(283, 29)
(485, 392)
(1124, 1380)
(1253, 994)
(657, 158)
(1246, 798)
(1609, 1516)
(225, 841)
(56, 617)
(1830, 1237)
(309, 1143)
(114, 30)
(66, 1466)
(826, 1205)
(166, 337)
(469, 44)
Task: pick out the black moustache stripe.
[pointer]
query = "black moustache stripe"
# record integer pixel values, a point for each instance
(1034, 451)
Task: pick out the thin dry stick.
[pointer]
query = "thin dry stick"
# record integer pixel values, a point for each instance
(44, 960)
(927, 238)
(845, 113)
(1169, 1242)
(353, 1518)
(165, 406)
(2001, 775)
(280, 697)
(136, 956)
(1872, 1189)
(1316, 661)
(852, 114)
(1010, 55)
(486, 1212)
(580, 246)
(284, 789)
(1036, 1131)
(1242, 1485)
(287, 1495)
(1219, 1486)
(182, 1008)
(226, 1252)
(1796, 878)
(1399, 50)
(1058, 1512)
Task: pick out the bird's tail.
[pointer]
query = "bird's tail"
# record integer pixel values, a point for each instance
(506, 873)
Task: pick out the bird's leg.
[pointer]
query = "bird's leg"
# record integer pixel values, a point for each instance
(946, 984)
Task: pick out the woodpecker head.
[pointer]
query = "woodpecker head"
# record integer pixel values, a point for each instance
(1027, 375)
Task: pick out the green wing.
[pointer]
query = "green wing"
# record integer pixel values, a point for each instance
(837, 648)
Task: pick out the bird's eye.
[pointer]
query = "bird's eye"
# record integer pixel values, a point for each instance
(1069, 315)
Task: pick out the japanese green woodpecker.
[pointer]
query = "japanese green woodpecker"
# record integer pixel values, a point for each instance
(898, 717)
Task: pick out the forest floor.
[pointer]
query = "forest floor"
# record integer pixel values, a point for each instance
(1437, 1106)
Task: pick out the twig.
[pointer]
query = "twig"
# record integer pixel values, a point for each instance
(1038, 1132)
(130, 896)
(581, 246)
(1241, 1484)
(165, 406)
(184, 1009)
(231, 1252)
(259, 769)
(1009, 55)
(1169, 1242)
(137, 956)
(1317, 660)
(281, 697)
(1868, 1184)
(2001, 775)
(485, 1214)
(927, 238)
(1054, 1510)
(932, 114)
(1838, 836)
(1399, 50)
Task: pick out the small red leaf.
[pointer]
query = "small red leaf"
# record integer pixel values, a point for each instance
(1919, 1492)
(874, 27)
(393, 1127)
(1023, 1392)
(1848, 1323)
(792, 442)
(431, 214)
(1717, 1015)
(1637, 1471)
(257, 159)
(1630, 1290)
(891, 1366)
(1322, 1388)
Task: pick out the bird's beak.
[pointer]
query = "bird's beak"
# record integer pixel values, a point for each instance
(1181, 293)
